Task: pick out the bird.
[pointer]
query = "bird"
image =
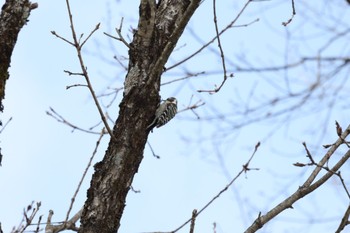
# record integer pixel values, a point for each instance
(164, 113)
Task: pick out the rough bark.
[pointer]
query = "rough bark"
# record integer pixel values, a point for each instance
(14, 15)
(159, 29)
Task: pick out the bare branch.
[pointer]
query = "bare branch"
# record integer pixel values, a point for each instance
(154, 154)
(343, 183)
(183, 78)
(7, 122)
(291, 18)
(73, 73)
(214, 227)
(92, 32)
(62, 38)
(119, 32)
(62, 120)
(120, 38)
(192, 107)
(301, 61)
(244, 169)
(84, 174)
(134, 190)
(338, 128)
(221, 53)
(68, 225)
(326, 168)
(326, 158)
(37, 230)
(345, 221)
(27, 219)
(76, 85)
(308, 186)
(193, 220)
(230, 25)
(308, 153)
(78, 46)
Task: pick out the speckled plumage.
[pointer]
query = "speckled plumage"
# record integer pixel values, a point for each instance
(164, 113)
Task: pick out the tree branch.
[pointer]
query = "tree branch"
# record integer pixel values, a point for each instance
(222, 56)
(344, 221)
(308, 186)
(245, 168)
(78, 46)
(149, 51)
(230, 25)
(67, 225)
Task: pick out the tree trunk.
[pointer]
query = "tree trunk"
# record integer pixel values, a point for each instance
(159, 29)
(14, 14)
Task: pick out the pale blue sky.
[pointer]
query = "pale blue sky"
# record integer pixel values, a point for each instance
(43, 160)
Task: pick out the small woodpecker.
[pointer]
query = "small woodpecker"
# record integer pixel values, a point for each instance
(164, 113)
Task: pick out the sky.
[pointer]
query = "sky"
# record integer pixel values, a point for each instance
(44, 159)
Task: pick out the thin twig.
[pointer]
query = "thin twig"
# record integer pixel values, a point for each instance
(76, 85)
(119, 32)
(230, 25)
(193, 220)
(67, 225)
(7, 122)
(344, 221)
(38, 225)
(308, 153)
(183, 78)
(339, 133)
(325, 159)
(78, 46)
(326, 168)
(92, 32)
(84, 174)
(62, 38)
(214, 227)
(244, 169)
(301, 61)
(62, 120)
(221, 53)
(343, 183)
(114, 93)
(154, 154)
(73, 73)
(113, 37)
(134, 190)
(193, 106)
(291, 18)
(308, 187)
(27, 219)
(120, 62)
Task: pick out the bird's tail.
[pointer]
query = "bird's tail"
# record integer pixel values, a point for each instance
(152, 125)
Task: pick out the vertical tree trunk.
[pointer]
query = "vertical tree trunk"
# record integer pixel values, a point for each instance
(14, 14)
(159, 29)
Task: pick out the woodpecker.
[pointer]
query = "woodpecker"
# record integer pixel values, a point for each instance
(164, 113)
